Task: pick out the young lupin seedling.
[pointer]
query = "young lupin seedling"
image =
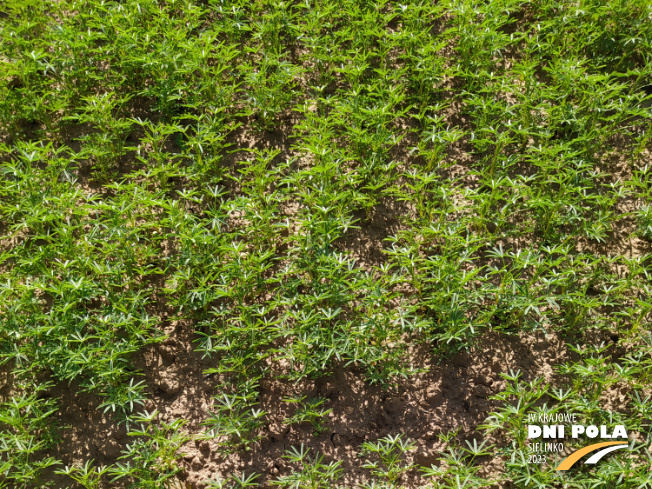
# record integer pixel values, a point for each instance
(390, 450)
(303, 188)
(308, 410)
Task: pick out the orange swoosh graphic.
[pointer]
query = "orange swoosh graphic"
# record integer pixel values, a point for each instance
(575, 456)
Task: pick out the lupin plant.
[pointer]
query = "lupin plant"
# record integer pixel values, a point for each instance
(309, 188)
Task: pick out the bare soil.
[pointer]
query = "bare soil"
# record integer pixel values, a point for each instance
(452, 395)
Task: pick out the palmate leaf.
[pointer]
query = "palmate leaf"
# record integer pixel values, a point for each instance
(227, 173)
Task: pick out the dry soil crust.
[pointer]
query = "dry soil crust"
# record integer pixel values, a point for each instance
(453, 394)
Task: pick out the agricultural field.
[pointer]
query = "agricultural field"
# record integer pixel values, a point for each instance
(323, 244)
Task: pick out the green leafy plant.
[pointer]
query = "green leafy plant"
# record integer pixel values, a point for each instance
(151, 461)
(87, 475)
(458, 470)
(302, 189)
(235, 421)
(235, 482)
(390, 450)
(308, 410)
(312, 474)
(26, 432)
